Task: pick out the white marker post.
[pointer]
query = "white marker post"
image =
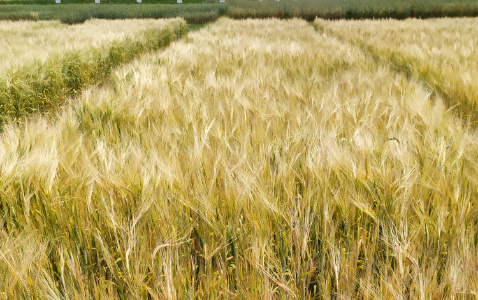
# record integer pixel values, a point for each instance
(180, 1)
(139, 1)
(97, 1)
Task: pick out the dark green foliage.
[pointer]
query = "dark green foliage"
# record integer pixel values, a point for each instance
(48, 2)
(78, 13)
(349, 9)
(210, 10)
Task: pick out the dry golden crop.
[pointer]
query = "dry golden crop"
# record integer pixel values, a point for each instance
(22, 43)
(47, 62)
(441, 53)
(254, 159)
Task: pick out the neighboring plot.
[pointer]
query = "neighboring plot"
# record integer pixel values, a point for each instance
(79, 13)
(42, 63)
(441, 53)
(24, 42)
(351, 9)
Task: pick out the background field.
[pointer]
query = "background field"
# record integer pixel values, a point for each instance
(257, 159)
(208, 11)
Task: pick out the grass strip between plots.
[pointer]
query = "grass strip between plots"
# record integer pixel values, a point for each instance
(44, 86)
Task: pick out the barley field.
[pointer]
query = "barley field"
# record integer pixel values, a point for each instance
(254, 159)
(442, 54)
(43, 63)
(23, 43)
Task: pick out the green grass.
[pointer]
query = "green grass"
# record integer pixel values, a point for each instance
(195, 27)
